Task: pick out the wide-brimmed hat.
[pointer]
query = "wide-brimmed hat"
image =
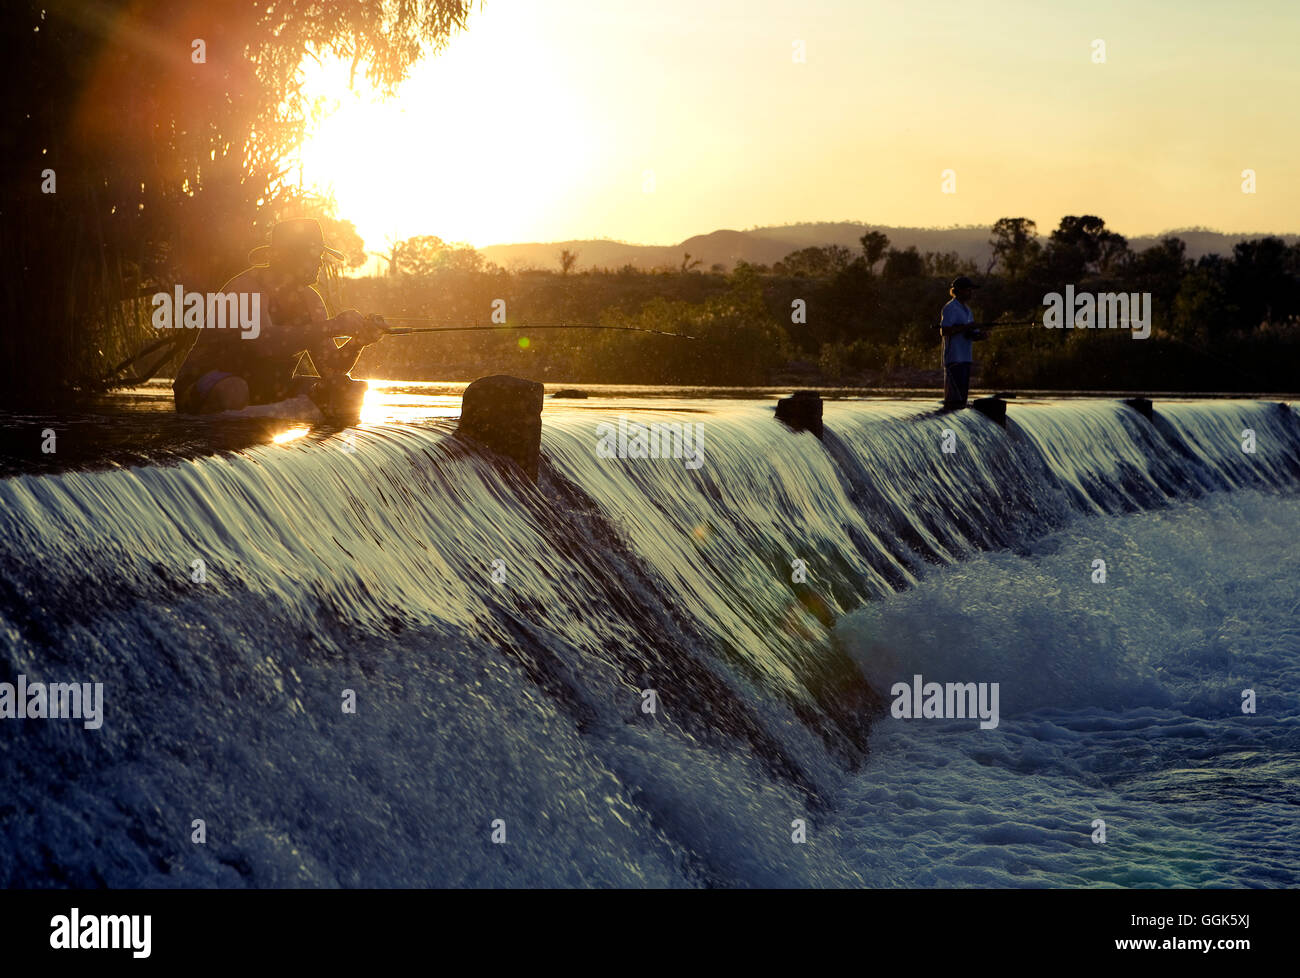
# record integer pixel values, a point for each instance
(300, 234)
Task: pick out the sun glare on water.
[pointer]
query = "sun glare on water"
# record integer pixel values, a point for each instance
(292, 434)
(479, 145)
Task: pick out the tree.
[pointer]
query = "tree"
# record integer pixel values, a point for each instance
(903, 264)
(1160, 270)
(427, 254)
(947, 264)
(1015, 245)
(461, 258)
(342, 236)
(874, 245)
(687, 264)
(170, 128)
(567, 260)
(420, 254)
(1262, 282)
(394, 256)
(1203, 310)
(814, 262)
(1082, 246)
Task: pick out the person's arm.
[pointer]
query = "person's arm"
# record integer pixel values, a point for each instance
(328, 357)
(948, 328)
(310, 330)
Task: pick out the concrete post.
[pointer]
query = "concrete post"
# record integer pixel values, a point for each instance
(505, 414)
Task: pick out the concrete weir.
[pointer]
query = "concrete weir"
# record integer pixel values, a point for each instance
(504, 414)
(993, 408)
(801, 411)
(1142, 405)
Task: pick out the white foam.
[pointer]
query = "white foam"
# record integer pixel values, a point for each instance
(1120, 701)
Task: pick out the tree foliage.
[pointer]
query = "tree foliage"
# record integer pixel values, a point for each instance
(172, 157)
(859, 327)
(816, 262)
(1015, 245)
(874, 245)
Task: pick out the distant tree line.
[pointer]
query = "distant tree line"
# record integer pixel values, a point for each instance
(1222, 323)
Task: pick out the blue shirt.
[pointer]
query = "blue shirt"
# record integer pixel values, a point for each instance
(956, 349)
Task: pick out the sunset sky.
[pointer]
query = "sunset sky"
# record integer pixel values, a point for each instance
(541, 121)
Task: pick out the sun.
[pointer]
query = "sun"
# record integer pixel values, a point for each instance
(482, 144)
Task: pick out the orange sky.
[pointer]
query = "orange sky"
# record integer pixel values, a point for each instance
(653, 122)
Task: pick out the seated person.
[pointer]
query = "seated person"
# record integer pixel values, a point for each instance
(224, 371)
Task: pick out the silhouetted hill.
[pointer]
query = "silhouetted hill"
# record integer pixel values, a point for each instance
(764, 246)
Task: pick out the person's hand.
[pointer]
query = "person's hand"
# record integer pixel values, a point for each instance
(362, 330)
(373, 329)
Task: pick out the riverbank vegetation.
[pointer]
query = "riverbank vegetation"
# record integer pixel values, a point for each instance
(829, 316)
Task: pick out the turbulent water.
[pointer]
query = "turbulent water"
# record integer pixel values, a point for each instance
(499, 641)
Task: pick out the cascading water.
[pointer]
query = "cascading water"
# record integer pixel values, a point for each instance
(499, 639)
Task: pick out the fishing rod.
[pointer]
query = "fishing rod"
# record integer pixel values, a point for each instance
(1035, 323)
(169, 341)
(460, 328)
(1014, 324)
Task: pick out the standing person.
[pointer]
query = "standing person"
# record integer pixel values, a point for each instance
(224, 371)
(958, 329)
